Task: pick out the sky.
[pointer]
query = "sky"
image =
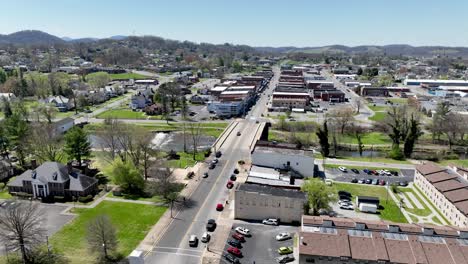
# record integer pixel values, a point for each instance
(301, 23)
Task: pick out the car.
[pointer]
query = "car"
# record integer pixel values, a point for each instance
(236, 171)
(234, 251)
(229, 184)
(373, 172)
(368, 181)
(212, 166)
(394, 173)
(347, 206)
(354, 180)
(219, 207)
(283, 236)
(218, 154)
(361, 181)
(205, 237)
(243, 231)
(211, 225)
(344, 193)
(366, 171)
(214, 161)
(231, 259)
(238, 237)
(234, 243)
(375, 182)
(193, 241)
(343, 169)
(270, 221)
(205, 175)
(233, 177)
(404, 183)
(256, 122)
(285, 259)
(343, 202)
(238, 133)
(285, 250)
(382, 182)
(355, 171)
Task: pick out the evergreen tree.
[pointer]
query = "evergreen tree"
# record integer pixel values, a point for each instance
(322, 135)
(77, 145)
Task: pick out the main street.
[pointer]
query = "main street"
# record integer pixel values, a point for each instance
(173, 246)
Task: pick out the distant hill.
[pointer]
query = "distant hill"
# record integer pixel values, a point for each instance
(86, 40)
(30, 37)
(118, 37)
(395, 49)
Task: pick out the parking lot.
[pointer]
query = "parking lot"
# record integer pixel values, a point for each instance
(262, 246)
(337, 175)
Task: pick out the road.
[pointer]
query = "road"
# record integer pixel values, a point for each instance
(173, 246)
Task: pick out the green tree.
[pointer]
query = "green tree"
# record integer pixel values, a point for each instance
(319, 195)
(17, 130)
(171, 199)
(184, 109)
(6, 107)
(440, 116)
(77, 145)
(322, 134)
(413, 135)
(127, 176)
(3, 76)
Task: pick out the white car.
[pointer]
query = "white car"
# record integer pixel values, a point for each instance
(347, 207)
(243, 231)
(205, 237)
(283, 236)
(343, 202)
(270, 221)
(343, 169)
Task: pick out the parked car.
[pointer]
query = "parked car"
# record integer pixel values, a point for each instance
(233, 177)
(211, 225)
(355, 171)
(219, 207)
(347, 206)
(394, 173)
(238, 133)
(285, 259)
(344, 193)
(369, 181)
(285, 250)
(229, 184)
(215, 161)
(235, 251)
(236, 171)
(404, 183)
(231, 259)
(382, 182)
(212, 166)
(366, 171)
(205, 175)
(343, 169)
(283, 236)
(374, 172)
(354, 180)
(343, 202)
(205, 237)
(234, 243)
(270, 221)
(243, 231)
(218, 154)
(361, 181)
(375, 182)
(238, 237)
(193, 241)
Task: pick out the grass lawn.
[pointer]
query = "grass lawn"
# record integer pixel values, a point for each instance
(377, 108)
(62, 115)
(186, 160)
(423, 196)
(128, 75)
(390, 211)
(4, 194)
(335, 166)
(378, 116)
(421, 212)
(372, 138)
(122, 114)
(131, 220)
(155, 199)
(398, 100)
(461, 162)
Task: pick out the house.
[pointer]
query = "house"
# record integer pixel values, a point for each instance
(138, 101)
(284, 158)
(64, 125)
(7, 96)
(257, 202)
(334, 240)
(447, 191)
(53, 179)
(61, 102)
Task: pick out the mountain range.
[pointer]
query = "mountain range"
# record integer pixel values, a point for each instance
(39, 37)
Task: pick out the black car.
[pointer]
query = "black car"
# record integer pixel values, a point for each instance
(211, 225)
(235, 243)
(354, 180)
(212, 166)
(218, 154)
(355, 171)
(404, 183)
(394, 173)
(205, 175)
(285, 259)
(231, 258)
(233, 177)
(344, 193)
(236, 171)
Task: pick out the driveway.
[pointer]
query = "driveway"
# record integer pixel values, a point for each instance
(353, 214)
(261, 247)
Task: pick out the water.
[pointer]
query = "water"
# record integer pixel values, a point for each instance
(365, 153)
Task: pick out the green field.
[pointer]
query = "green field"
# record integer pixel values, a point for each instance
(128, 75)
(131, 220)
(186, 160)
(377, 108)
(124, 113)
(154, 199)
(390, 211)
(460, 162)
(378, 116)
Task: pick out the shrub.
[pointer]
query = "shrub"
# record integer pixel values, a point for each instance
(85, 199)
(396, 153)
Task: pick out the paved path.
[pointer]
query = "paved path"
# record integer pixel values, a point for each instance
(406, 202)
(415, 200)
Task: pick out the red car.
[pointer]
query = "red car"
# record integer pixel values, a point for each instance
(382, 182)
(238, 237)
(219, 207)
(229, 185)
(235, 251)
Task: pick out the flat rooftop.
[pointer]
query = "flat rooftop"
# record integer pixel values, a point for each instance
(270, 190)
(281, 150)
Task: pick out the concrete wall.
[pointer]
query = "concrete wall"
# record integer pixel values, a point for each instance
(302, 164)
(258, 206)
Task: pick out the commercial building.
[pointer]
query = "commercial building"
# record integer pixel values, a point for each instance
(314, 84)
(290, 100)
(257, 202)
(351, 240)
(375, 91)
(434, 83)
(447, 191)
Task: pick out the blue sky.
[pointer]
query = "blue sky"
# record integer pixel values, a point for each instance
(255, 22)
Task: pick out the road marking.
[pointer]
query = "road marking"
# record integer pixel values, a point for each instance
(184, 249)
(179, 254)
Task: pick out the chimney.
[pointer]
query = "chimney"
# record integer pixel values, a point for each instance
(292, 180)
(69, 167)
(33, 164)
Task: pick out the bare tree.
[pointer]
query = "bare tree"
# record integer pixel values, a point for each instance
(20, 228)
(47, 144)
(358, 132)
(341, 118)
(110, 134)
(101, 236)
(358, 103)
(195, 131)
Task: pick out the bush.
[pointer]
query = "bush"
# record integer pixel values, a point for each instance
(85, 199)
(394, 188)
(396, 153)
(59, 198)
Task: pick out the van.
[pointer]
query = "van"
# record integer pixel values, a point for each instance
(193, 241)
